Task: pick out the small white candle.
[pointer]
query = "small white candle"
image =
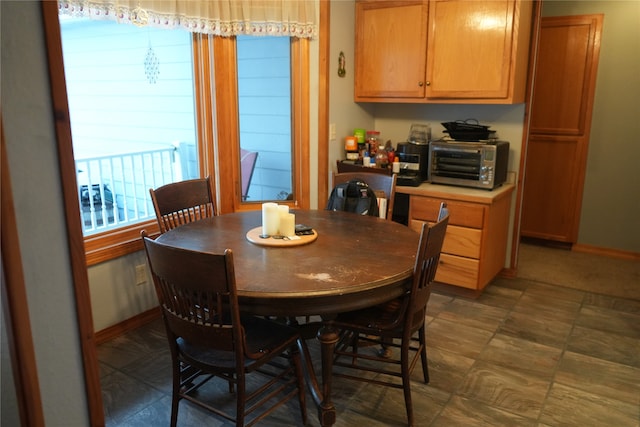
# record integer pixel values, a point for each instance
(288, 224)
(382, 207)
(283, 211)
(270, 219)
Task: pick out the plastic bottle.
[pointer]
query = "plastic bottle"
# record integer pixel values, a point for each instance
(396, 165)
(382, 160)
(360, 134)
(362, 150)
(373, 141)
(391, 154)
(351, 147)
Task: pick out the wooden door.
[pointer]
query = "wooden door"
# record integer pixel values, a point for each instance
(478, 50)
(390, 50)
(564, 87)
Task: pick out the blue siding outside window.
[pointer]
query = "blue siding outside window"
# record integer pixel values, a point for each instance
(264, 91)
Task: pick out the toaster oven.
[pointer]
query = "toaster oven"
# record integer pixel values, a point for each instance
(469, 164)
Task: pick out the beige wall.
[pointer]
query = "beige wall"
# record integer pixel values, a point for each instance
(343, 112)
(611, 202)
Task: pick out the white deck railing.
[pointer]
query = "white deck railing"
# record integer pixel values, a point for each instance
(114, 189)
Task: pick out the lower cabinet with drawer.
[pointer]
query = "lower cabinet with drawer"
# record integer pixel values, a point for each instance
(475, 246)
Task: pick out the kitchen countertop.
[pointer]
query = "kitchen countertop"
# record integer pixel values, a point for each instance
(451, 192)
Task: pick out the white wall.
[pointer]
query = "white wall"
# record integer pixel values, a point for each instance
(31, 150)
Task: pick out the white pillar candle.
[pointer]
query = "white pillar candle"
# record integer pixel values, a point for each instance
(270, 219)
(283, 211)
(382, 207)
(288, 224)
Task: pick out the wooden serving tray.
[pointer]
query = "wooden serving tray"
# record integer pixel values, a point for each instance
(253, 236)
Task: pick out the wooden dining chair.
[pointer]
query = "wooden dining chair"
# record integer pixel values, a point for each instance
(182, 202)
(398, 324)
(206, 333)
(377, 182)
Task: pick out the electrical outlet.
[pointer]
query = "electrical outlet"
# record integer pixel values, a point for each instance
(332, 132)
(141, 274)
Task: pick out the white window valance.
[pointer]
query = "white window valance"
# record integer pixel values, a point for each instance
(293, 18)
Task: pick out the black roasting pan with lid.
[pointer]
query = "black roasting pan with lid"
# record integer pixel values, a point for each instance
(468, 130)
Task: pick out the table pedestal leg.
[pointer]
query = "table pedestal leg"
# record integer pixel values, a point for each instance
(328, 337)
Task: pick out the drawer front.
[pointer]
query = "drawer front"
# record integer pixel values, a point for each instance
(462, 242)
(459, 271)
(459, 241)
(460, 213)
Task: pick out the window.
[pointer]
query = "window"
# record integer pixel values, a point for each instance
(142, 115)
(131, 105)
(264, 104)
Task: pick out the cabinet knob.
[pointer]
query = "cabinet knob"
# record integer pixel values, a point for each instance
(420, 84)
(428, 83)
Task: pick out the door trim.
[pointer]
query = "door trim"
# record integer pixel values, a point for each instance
(75, 239)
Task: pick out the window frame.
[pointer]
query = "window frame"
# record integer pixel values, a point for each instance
(227, 129)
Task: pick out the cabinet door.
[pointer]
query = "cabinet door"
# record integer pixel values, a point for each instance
(472, 49)
(390, 49)
(563, 97)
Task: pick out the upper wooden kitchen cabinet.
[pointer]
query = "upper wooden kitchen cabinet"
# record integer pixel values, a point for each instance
(442, 51)
(391, 42)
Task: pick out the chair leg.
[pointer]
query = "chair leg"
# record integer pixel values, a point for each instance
(175, 395)
(297, 365)
(423, 355)
(406, 382)
(385, 350)
(240, 399)
(354, 339)
(354, 347)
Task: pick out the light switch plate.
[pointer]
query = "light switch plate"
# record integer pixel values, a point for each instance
(141, 274)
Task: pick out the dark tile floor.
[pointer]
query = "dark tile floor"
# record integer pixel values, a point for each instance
(523, 354)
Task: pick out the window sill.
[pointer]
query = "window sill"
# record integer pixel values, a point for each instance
(114, 244)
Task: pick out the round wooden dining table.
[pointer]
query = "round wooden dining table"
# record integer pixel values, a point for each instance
(352, 262)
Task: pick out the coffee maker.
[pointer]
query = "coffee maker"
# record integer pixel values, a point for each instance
(414, 163)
